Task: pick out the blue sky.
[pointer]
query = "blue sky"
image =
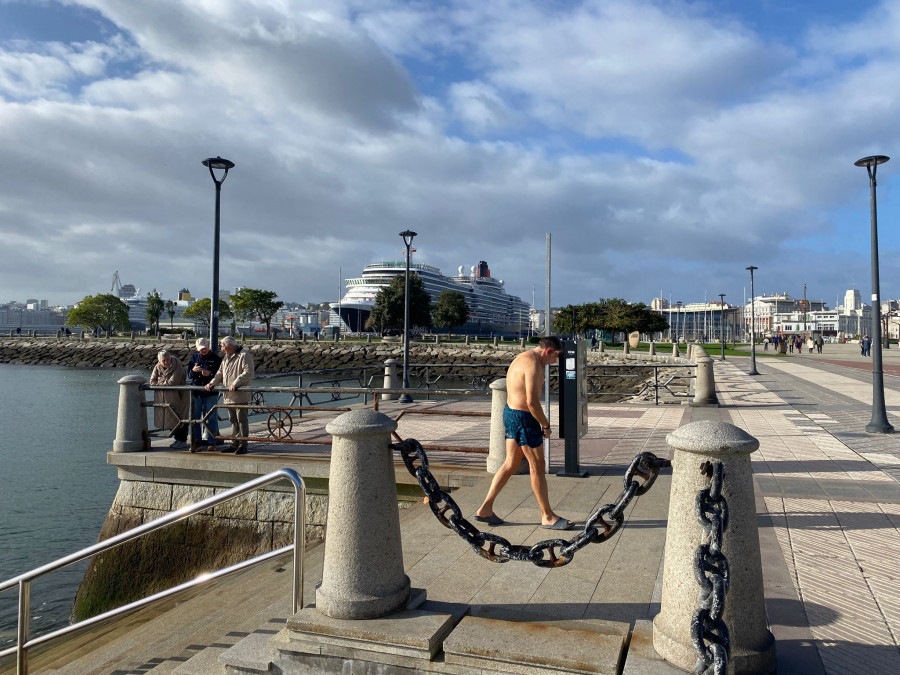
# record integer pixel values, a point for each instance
(665, 145)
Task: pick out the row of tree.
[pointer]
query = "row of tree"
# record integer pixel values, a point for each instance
(110, 313)
(613, 315)
(449, 311)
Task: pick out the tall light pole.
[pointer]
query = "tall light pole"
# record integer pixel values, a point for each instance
(752, 324)
(405, 397)
(214, 163)
(879, 423)
(722, 321)
(678, 321)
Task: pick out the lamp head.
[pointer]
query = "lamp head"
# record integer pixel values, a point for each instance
(408, 236)
(213, 163)
(751, 268)
(872, 160)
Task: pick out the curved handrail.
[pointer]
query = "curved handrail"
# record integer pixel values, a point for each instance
(23, 581)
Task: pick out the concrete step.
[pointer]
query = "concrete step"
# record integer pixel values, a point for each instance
(170, 633)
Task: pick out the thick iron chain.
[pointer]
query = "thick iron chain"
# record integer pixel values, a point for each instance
(600, 526)
(709, 634)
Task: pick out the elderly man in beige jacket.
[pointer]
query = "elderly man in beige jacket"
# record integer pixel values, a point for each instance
(235, 372)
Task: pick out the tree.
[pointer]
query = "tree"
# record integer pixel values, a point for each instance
(199, 311)
(155, 307)
(250, 302)
(170, 310)
(450, 310)
(389, 304)
(104, 310)
(614, 315)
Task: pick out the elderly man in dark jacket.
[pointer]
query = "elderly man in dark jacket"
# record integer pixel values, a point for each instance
(204, 364)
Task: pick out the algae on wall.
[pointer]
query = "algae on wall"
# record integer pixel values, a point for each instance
(224, 535)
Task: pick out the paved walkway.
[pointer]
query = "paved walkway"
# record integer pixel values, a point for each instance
(828, 498)
(832, 495)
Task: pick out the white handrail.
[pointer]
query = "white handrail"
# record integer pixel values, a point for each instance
(23, 581)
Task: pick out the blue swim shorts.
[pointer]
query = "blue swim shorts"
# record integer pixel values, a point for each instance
(521, 427)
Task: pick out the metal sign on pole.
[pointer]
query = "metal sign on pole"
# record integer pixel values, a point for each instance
(573, 417)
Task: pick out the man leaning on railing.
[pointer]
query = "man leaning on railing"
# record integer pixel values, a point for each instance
(236, 371)
(204, 364)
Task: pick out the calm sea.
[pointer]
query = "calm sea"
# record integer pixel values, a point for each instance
(56, 426)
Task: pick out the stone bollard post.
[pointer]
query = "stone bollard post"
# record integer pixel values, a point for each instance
(600, 347)
(391, 379)
(705, 382)
(362, 574)
(368, 338)
(675, 352)
(467, 340)
(752, 645)
(625, 349)
(437, 339)
(131, 422)
(243, 337)
(495, 342)
(497, 446)
(652, 349)
(522, 343)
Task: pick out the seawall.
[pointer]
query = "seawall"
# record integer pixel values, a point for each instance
(278, 357)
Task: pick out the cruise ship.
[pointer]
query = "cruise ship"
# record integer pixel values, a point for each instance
(491, 309)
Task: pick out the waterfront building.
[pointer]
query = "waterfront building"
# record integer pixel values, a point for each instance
(700, 321)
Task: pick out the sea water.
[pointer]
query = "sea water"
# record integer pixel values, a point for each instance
(56, 426)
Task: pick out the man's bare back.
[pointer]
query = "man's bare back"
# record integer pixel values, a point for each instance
(524, 382)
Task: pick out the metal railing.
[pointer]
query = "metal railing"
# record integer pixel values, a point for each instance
(23, 581)
(654, 383)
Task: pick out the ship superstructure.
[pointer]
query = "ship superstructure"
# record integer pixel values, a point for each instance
(491, 308)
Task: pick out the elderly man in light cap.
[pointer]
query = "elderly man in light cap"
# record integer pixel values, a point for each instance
(204, 364)
(235, 372)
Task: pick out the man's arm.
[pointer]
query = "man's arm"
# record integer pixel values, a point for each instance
(533, 380)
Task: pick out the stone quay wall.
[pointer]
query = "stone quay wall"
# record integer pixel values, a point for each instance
(224, 535)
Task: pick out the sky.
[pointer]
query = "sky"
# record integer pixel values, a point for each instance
(664, 145)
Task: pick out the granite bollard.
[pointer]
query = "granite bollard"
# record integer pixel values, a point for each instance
(497, 446)
(704, 382)
(391, 379)
(131, 421)
(752, 644)
(652, 351)
(675, 351)
(362, 573)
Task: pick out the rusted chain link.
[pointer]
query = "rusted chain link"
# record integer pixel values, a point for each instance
(709, 634)
(600, 526)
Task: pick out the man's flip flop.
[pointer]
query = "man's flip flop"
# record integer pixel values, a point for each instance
(560, 524)
(493, 520)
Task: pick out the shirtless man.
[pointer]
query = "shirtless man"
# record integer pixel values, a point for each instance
(526, 428)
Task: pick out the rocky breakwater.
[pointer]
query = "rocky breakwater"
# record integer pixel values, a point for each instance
(270, 358)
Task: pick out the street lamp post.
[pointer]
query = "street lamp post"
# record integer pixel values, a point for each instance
(752, 324)
(722, 321)
(405, 397)
(213, 163)
(879, 423)
(678, 323)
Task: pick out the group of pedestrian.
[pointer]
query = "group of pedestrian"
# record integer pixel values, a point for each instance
(865, 346)
(233, 372)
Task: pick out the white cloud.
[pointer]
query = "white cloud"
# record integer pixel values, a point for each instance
(651, 139)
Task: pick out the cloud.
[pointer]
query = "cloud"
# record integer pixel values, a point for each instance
(661, 144)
